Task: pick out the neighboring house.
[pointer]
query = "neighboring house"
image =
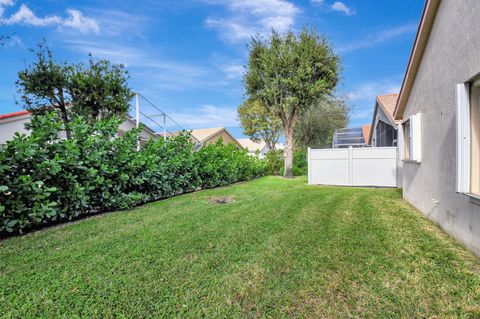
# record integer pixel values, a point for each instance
(15, 122)
(145, 134)
(439, 105)
(254, 148)
(366, 133)
(385, 131)
(212, 135)
(257, 147)
(354, 137)
(384, 127)
(11, 123)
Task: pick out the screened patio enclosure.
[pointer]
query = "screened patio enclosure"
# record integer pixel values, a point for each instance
(385, 135)
(346, 137)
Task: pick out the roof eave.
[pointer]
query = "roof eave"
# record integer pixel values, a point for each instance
(372, 126)
(389, 116)
(421, 39)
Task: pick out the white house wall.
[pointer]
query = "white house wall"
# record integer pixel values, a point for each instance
(130, 124)
(9, 126)
(451, 56)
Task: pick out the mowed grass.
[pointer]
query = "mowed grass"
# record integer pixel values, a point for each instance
(282, 249)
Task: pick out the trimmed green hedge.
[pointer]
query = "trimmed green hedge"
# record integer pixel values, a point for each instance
(274, 163)
(44, 179)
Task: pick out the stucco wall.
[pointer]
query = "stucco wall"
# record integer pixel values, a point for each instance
(225, 138)
(9, 126)
(451, 56)
(128, 125)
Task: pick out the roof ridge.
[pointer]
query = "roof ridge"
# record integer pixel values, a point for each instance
(13, 114)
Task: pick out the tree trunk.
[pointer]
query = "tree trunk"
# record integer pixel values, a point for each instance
(288, 172)
(65, 122)
(63, 110)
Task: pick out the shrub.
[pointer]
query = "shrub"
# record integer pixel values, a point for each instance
(300, 165)
(274, 162)
(45, 179)
(236, 165)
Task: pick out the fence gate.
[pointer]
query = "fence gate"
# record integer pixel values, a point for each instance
(353, 166)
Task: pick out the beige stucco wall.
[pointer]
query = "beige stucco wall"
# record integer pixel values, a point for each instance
(452, 56)
(224, 136)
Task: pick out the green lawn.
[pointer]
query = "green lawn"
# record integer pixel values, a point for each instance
(282, 249)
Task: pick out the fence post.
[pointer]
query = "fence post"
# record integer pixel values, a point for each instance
(137, 118)
(350, 165)
(164, 128)
(309, 165)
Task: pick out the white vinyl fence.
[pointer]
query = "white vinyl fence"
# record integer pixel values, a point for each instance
(353, 166)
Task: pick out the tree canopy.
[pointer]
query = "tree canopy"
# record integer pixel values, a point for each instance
(288, 73)
(316, 126)
(96, 90)
(259, 124)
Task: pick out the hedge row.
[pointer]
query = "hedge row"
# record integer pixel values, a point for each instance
(44, 179)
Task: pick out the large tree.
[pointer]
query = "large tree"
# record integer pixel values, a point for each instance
(96, 90)
(288, 73)
(316, 126)
(259, 124)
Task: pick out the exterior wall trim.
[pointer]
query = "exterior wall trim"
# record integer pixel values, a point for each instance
(421, 39)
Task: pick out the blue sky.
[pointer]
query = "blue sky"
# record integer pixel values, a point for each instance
(188, 56)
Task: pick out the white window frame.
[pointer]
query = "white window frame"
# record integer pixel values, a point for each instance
(463, 138)
(414, 136)
(407, 141)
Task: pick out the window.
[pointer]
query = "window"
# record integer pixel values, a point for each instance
(385, 135)
(407, 141)
(412, 135)
(468, 137)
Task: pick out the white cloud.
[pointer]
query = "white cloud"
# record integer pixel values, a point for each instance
(133, 57)
(160, 72)
(370, 90)
(233, 71)
(206, 116)
(250, 17)
(26, 16)
(115, 22)
(75, 19)
(3, 4)
(363, 96)
(379, 37)
(336, 6)
(265, 7)
(342, 7)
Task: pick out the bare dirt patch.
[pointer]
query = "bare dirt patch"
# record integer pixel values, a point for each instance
(221, 199)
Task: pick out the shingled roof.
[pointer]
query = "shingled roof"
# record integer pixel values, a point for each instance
(388, 103)
(366, 133)
(252, 146)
